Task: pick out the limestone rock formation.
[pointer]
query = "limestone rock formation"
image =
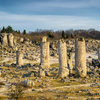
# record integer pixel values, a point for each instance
(15, 40)
(80, 57)
(19, 56)
(62, 52)
(45, 59)
(21, 39)
(3, 39)
(10, 39)
(28, 83)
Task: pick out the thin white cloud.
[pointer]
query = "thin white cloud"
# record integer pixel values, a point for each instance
(40, 5)
(54, 4)
(95, 3)
(55, 22)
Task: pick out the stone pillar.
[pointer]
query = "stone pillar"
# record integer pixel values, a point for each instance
(4, 41)
(80, 57)
(70, 66)
(19, 56)
(14, 40)
(99, 54)
(45, 59)
(10, 39)
(62, 52)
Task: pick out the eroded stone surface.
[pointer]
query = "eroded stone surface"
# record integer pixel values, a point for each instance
(19, 56)
(80, 58)
(45, 59)
(10, 39)
(62, 52)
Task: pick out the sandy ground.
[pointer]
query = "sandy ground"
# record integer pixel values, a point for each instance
(52, 60)
(92, 55)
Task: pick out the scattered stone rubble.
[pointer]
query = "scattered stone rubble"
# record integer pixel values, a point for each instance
(29, 74)
(28, 83)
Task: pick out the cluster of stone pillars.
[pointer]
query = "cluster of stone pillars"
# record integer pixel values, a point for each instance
(64, 68)
(6, 39)
(65, 63)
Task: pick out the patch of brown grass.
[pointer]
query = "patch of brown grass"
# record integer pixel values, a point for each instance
(1, 83)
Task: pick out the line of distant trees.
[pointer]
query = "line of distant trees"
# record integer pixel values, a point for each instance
(67, 34)
(9, 29)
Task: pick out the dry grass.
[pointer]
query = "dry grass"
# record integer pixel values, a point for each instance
(54, 65)
(72, 93)
(1, 59)
(1, 63)
(4, 67)
(10, 61)
(3, 98)
(1, 83)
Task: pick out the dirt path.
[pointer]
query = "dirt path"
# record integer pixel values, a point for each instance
(60, 87)
(67, 86)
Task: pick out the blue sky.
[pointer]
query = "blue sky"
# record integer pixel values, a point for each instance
(50, 14)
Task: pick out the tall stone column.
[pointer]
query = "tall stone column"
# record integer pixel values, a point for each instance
(10, 39)
(45, 57)
(80, 57)
(14, 40)
(62, 52)
(99, 54)
(19, 56)
(3, 38)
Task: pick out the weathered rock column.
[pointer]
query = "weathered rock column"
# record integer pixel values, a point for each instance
(10, 39)
(14, 40)
(62, 52)
(99, 54)
(45, 57)
(19, 56)
(70, 66)
(80, 57)
(3, 38)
